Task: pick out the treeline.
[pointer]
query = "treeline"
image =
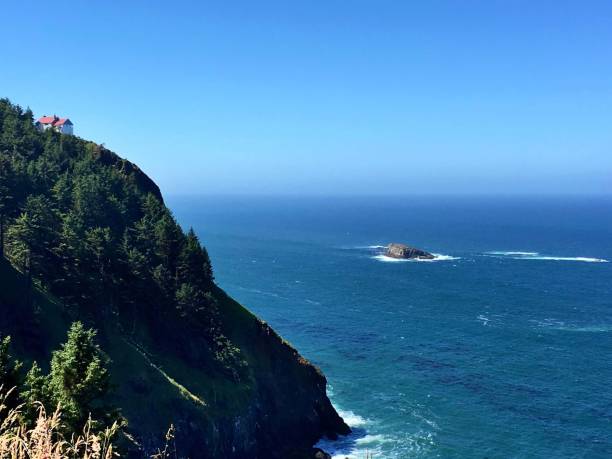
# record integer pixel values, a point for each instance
(85, 228)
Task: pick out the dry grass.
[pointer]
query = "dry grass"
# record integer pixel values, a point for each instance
(45, 441)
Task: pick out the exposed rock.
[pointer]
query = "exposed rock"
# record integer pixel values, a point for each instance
(395, 250)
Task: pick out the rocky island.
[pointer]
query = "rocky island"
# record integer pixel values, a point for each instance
(402, 251)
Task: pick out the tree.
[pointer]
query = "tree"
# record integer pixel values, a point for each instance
(32, 237)
(100, 253)
(71, 253)
(168, 236)
(5, 198)
(189, 300)
(79, 378)
(194, 263)
(9, 370)
(35, 390)
(62, 193)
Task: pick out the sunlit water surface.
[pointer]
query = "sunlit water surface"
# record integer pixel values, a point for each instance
(501, 347)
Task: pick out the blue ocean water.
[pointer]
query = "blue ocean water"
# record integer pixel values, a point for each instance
(500, 348)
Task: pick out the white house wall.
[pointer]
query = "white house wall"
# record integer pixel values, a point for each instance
(66, 129)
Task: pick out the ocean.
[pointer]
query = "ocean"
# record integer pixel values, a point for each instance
(501, 347)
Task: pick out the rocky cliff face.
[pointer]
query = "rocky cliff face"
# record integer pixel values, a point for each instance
(279, 412)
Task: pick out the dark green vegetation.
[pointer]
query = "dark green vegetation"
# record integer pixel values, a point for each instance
(87, 237)
(78, 381)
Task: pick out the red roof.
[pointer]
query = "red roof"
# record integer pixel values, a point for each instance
(47, 119)
(54, 120)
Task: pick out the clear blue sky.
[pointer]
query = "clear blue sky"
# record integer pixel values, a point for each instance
(328, 97)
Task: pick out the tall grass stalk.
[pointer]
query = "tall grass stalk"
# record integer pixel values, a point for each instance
(45, 441)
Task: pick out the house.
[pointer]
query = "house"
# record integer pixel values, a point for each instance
(63, 125)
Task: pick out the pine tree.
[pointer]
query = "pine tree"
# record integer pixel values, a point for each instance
(168, 237)
(194, 263)
(35, 390)
(32, 237)
(100, 253)
(70, 282)
(5, 197)
(9, 370)
(79, 378)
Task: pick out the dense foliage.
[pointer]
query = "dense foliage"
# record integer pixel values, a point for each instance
(93, 230)
(78, 382)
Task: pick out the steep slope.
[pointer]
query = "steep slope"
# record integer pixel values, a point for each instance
(91, 229)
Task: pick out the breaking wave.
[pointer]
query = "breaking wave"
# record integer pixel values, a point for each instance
(537, 256)
(437, 257)
(527, 254)
(558, 325)
(352, 419)
(584, 259)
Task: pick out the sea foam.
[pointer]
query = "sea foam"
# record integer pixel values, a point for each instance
(527, 254)
(516, 255)
(584, 259)
(345, 446)
(558, 325)
(437, 257)
(352, 419)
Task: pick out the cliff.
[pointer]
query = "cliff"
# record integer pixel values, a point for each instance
(88, 238)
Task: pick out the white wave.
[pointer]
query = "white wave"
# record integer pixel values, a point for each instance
(355, 447)
(311, 302)
(352, 419)
(361, 442)
(344, 446)
(592, 329)
(440, 257)
(527, 254)
(437, 257)
(387, 259)
(583, 259)
(484, 319)
(552, 324)
(369, 439)
(537, 256)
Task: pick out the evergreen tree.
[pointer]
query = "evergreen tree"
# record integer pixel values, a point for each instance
(9, 368)
(70, 282)
(79, 378)
(168, 237)
(62, 193)
(194, 263)
(35, 390)
(100, 253)
(32, 237)
(5, 198)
